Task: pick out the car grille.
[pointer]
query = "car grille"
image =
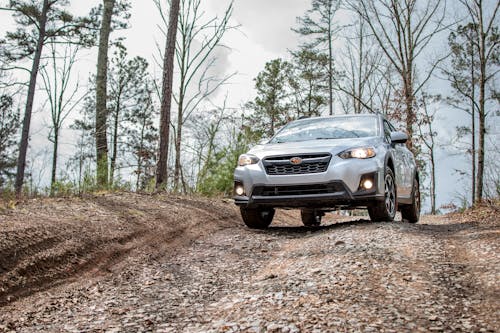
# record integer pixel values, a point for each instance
(280, 190)
(281, 165)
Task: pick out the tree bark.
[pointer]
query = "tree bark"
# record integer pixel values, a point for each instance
(166, 103)
(101, 95)
(178, 140)
(482, 111)
(330, 66)
(23, 146)
(114, 153)
(482, 132)
(473, 126)
(54, 160)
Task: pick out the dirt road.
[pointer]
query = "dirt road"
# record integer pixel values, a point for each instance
(438, 275)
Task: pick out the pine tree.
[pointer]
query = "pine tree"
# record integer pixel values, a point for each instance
(101, 94)
(142, 137)
(129, 87)
(166, 92)
(271, 106)
(310, 72)
(114, 16)
(318, 25)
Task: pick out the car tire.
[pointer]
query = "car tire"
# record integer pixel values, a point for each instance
(411, 213)
(257, 218)
(385, 210)
(310, 218)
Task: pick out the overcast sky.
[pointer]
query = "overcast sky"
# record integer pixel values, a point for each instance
(264, 34)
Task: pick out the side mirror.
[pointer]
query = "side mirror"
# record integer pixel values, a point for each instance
(398, 137)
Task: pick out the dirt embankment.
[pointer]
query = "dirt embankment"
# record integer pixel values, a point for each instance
(46, 241)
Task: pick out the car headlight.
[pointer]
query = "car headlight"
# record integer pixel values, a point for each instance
(247, 159)
(362, 153)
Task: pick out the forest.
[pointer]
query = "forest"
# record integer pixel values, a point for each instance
(168, 124)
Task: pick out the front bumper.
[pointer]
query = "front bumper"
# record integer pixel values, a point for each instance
(338, 186)
(320, 195)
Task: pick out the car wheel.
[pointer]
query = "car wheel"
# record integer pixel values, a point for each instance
(385, 210)
(411, 213)
(310, 218)
(257, 218)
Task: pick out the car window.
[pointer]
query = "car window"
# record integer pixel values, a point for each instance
(327, 129)
(391, 126)
(387, 131)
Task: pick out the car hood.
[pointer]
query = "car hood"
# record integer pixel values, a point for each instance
(332, 146)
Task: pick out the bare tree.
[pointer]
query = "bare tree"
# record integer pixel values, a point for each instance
(62, 98)
(36, 24)
(166, 92)
(403, 30)
(361, 67)
(428, 137)
(487, 46)
(463, 74)
(209, 125)
(198, 39)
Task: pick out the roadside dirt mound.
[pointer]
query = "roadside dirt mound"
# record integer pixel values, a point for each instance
(484, 213)
(44, 242)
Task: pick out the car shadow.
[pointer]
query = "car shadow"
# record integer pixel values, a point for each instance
(301, 230)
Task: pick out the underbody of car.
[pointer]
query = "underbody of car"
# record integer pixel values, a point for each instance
(328, 163)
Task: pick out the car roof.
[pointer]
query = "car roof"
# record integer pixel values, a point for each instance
(363, 115)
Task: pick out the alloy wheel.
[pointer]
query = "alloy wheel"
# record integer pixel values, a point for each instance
(390, 194)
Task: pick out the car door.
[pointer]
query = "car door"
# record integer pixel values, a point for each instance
(411, 168)
(399, 160)
(407, 170)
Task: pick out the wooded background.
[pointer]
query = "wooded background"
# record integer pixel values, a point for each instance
(138, 129)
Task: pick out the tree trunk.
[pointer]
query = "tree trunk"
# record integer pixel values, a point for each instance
(480, 153)
(482, 110)
(177, 170)
(357, 108)
(409, 112)
(473, 130)
(23, 146)
(54, 160)
(433, 181)
(330, 71)
(140, 157)
(101, 95)
(166, 102)
(114, 153)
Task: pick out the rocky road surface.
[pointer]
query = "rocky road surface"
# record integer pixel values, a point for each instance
(439, 275)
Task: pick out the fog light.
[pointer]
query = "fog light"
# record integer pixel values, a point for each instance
(239, 190)
(368, 184)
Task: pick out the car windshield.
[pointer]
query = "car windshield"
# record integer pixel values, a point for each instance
(327, 129)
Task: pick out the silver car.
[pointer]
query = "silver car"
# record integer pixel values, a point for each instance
(327, 163)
